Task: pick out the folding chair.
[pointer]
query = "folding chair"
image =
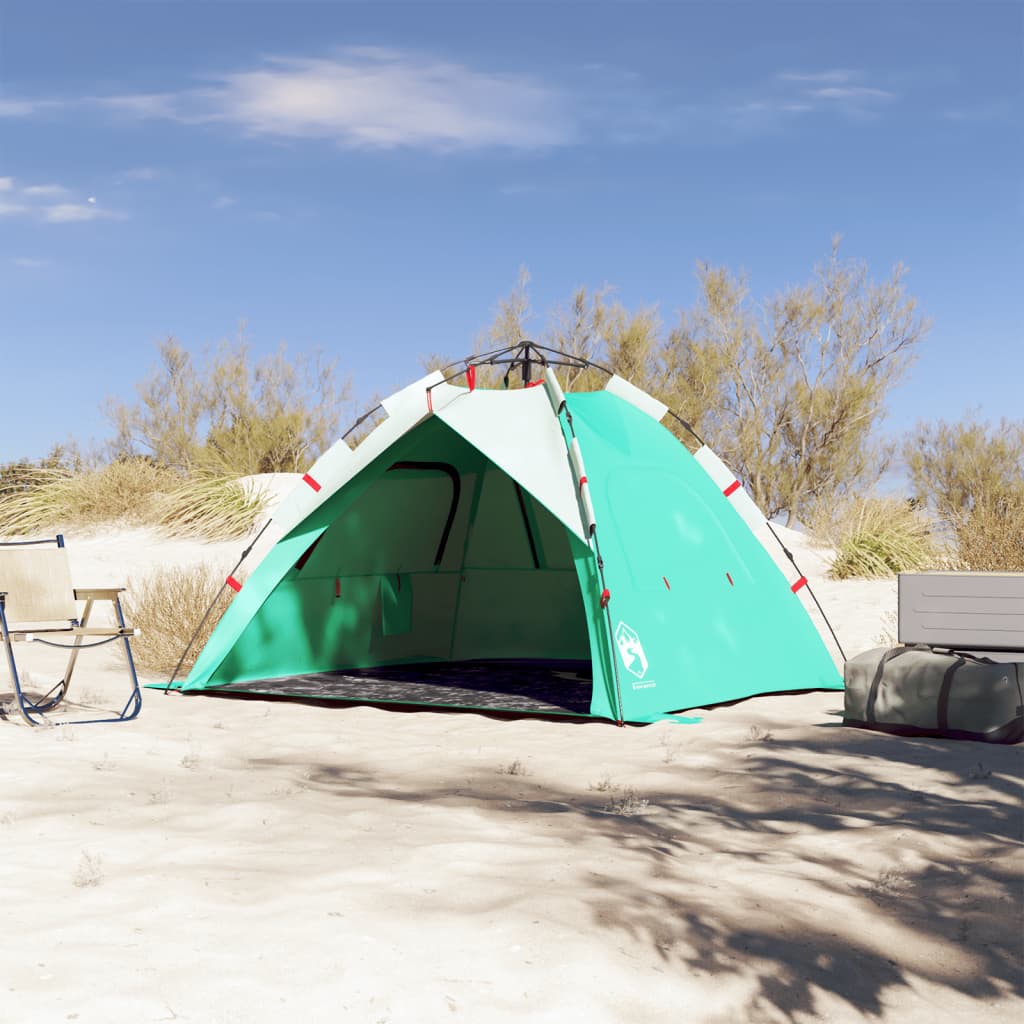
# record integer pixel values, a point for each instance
(38, 603)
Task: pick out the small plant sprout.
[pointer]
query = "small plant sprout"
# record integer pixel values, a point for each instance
(89, 872)
(628, 803)
(516, 767)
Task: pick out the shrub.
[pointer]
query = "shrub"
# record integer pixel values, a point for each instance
(990, 537)
(212, 508)
(230, 412)
(876, 537)
(956, 466)
(168, 607)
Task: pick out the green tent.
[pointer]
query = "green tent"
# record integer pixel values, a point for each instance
(520, 550)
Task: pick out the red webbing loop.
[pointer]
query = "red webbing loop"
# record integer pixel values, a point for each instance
(471, 377)
(535, 383)
(430, 402)
(732, 488)
(337, 586)
(802, 582)
(606, 596)
(307, 479)
(233, 584)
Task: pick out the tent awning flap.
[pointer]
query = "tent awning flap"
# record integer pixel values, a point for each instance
(518, 432)
(412, 398)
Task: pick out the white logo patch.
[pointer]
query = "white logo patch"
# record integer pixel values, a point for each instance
(631, 650)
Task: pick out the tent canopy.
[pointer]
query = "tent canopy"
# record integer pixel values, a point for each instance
(464, 531)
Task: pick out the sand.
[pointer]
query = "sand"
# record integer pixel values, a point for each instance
(245, 861)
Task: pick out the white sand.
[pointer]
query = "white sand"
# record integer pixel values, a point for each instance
(237, 861)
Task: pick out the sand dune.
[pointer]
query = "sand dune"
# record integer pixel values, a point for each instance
(227, 860)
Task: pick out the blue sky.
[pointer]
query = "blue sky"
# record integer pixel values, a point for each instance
(369, 178)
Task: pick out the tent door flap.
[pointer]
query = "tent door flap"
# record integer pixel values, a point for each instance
(396, 603)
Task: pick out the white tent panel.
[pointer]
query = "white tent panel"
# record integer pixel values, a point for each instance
(621, 388)
(738, 497)
(520, 434)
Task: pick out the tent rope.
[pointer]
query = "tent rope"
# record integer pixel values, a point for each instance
(814, 597)
(209, 611)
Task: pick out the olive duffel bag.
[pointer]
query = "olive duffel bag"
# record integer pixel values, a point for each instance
(916, 691)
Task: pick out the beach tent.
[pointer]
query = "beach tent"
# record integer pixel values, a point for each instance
(522, 550)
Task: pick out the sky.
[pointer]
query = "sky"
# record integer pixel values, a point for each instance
(367, 179)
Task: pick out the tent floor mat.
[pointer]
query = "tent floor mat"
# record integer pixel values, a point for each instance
(560, 687)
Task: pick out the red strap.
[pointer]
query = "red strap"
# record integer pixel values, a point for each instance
(430, 401)
(732, 488)
(802, 582)
(606, 596)
(337, 586)
(667, 587)
(233, 584)
(583, 480)
(535, 383)
(728, 576)
(471, 377)
(307, 479)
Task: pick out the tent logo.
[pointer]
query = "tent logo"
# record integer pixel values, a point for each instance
(631, 650)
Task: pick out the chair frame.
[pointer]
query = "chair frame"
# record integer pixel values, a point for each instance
(33, 710)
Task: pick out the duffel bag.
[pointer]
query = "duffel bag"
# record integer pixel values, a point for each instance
(916, 691)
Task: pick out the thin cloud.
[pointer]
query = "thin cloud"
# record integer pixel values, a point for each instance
(44, 191)
(371, 98)
(134, 174)
(376, 98)
(69, 213)
(834, 77)
(50, 203)
(145, 105)
(29, 263)
(835, 91)
(852, 92)
(18, 108)
(991, 110)
(223, 202)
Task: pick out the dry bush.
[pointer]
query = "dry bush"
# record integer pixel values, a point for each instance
(990, 537)
(126, 491)
(973, 474)
(230, 412)
(168, 606)
(878, 537)
(955, 466)
(211, 508)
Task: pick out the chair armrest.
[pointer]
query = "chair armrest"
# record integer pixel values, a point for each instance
(97, 593)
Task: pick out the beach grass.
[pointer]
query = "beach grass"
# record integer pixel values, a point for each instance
(879, 537)
(211, 508)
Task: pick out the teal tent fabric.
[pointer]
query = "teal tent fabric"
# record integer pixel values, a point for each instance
(699, 613)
